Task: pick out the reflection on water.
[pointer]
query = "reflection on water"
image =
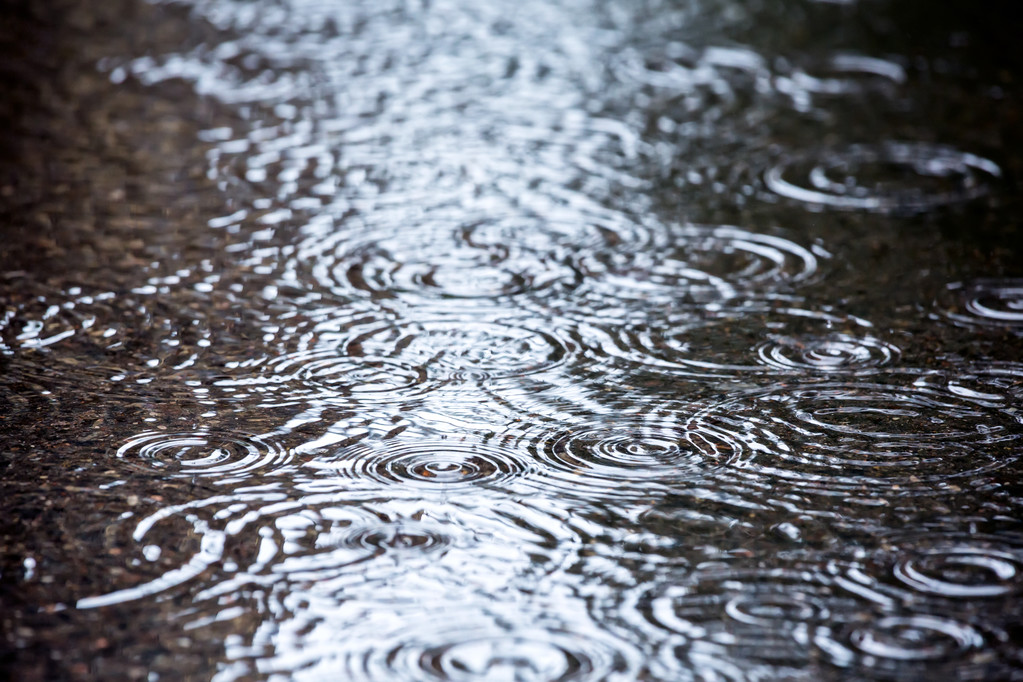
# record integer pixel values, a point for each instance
(935, 176)
(593, 340)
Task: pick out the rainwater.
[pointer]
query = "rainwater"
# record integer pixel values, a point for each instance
(511, 340)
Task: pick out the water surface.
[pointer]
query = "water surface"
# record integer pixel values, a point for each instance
(590, 340)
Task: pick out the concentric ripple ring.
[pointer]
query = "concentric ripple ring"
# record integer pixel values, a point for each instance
(898, 177)
(204, 453)
(837, 352)
(435, 464)
(463, 349)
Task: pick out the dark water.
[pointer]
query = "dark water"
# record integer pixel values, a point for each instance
(582, 340)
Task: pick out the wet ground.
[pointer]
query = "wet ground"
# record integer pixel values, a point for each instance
(588, 340)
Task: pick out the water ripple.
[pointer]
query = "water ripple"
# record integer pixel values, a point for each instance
(333, 545)
(693, 267)
(705, 78)
(962, 571)
(776, 603)
(746, 339)
(986, 303)
(681, 68)
(915, 638)
(890, 414)
(541, 656)
(627, 455)
(896, 177)
(423, 263)
(325, 376)
(748, 623)
(456, 643)
(443, 464)
(445, 248)
(863, 440)
(842, 75)
(836, 352)
(957, 566)
(992, 383)
(731, 619)
(205, 453)
(463, 349)
(905, 646)
(699, 264)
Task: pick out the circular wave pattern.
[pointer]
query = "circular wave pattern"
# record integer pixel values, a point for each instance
(890, 178)
(996, 384)
(679, 67)
(546, 656)
(622, 456)
(204, 453)
(772, 608)
(462, 644)
(991, 303)
(434, 261)
(747, 617)
(863, 440)
(313, 540)
(894, 413)
(402, 551)
(435, 464)
(715, 344)
(915, 638)
(699, 264)
(911, 641)
(838, 352)
(712, 82)
(840, 75)
(912, 646)
(686, 347)
(335, 546)
(962, 572)
(965, 567)
(462, 350)
(324, 375)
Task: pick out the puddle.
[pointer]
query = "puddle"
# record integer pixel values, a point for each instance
(510, 341)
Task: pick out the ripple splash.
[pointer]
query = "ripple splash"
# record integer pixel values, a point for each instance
(734, 623)
(700, 264)
(463, 350)
(861, 440)
(896, 177)
(898, 647)
(834, 352)
(454, 643)
(223, 454)
(986, 303)
(325, 376)
(628, 455)
(441, 464)
(432, 262)
(962, 567)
